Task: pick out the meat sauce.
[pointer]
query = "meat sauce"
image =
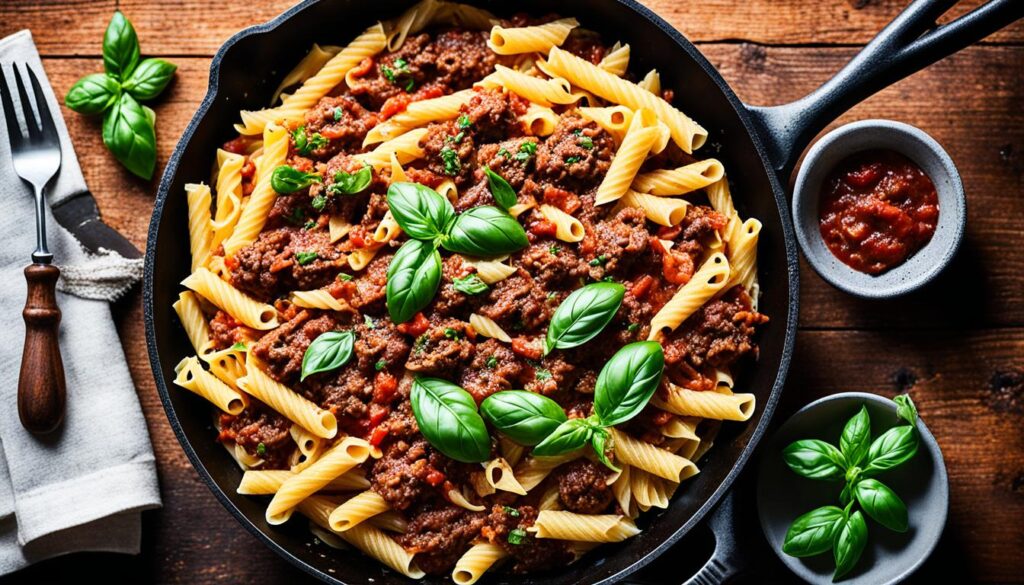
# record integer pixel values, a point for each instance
(370, 393)
(877, 209)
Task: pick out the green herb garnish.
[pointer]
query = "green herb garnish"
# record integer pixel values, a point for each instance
(305, 144)
(492, 362)
(470, 285)
(380, 365)
(526, 150)
(452, 333)
(572, 160)
(337, 114)
(448, 418)
(516, 536)
(318, 202)
(304, 258)
(586, 142)
(464, 123)
(369, 322)
(510, 511)
(261, 449)
(239, 346)
(344, 277)
(452, 163)
(286, 179)
(329, 351)
(583, 315)
(599, 261)
(350, 183)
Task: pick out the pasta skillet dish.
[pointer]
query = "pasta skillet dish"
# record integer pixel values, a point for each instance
(465, 297)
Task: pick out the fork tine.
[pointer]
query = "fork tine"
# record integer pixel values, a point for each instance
(45, 119)
(26, 106)
(13, 128)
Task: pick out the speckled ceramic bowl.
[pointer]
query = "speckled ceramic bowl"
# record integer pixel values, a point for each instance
(913, 143)
(782, 496)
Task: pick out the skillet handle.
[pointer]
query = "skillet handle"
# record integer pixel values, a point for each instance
(909, 43)
(727, 561)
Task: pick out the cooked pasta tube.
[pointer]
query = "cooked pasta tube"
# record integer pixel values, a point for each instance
(615, 120)
(314, 61)
(681, 180)
(532, 470)
(567, 227)
(192, 377)
(500, 475)
(490, 271)
(705, 283)
(357, 509)
(417, 114)
(200, 229)
(192, 319)
(254, 213)
(289, 404)
(530, 39)
(268, 481)
(488, 328)
(229, 196)
(647, 457)
(348, 453)
(233, 301)
(616, 60)
(318, 299)
(476, 561)
(636, 145)
(713, 405)
(543, 92)
(666, 211)
(584, 527)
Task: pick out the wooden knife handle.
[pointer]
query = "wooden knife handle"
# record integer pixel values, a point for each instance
(41, 390)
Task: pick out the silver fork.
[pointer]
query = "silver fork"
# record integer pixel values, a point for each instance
(35, 154)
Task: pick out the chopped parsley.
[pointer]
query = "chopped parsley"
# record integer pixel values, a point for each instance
(504, 152)
(304, 144)
(470, 285)
(309, 225)
(369, 322)
(337, 114)
(304, 258)
(238, 346)
(572, 160)
(261, 449)
(608, 279)
(554, 249)
(552, 295)
(344, 277)
(526, 150)
(542, 374)
(633, 327)
(452, 333)
(380, 365)
(419, 344)
(464, 122)
(586, 142)
(599, 261)
(318, 203)
(510, 511)
(452, 164)
(395, 75)
(457, 139)
(492, 362)
(516, 536)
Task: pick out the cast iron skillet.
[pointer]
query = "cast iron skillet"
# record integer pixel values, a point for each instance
(757, 145)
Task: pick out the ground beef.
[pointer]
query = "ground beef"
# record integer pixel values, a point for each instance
(260, 425)
(553, 372)
(277, 262)
(494, 368)
(401, 423)
(293, 210)
(226, 331)
(412, 470)
(443, 349)
(492, 115)
(518, 304)
(342, 120)
(510, 159)
(281, 350)
(717, 335)
(371, 284)
(618, 243)
(450, 302)
(583, 487)
(553, 264)
(577, 154)
(448, 151)
(438, 536)
(531, 554)
(346, 392)
(379, 342)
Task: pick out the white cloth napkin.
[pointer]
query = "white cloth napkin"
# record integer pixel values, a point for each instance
(84, 487)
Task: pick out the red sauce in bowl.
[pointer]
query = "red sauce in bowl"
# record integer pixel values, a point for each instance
(877, 208)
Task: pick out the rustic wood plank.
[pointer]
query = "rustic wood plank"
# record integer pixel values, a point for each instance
(197, 27)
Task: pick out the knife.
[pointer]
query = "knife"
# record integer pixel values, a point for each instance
(80, 216)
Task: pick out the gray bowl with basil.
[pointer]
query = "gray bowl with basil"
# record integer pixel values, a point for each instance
(920, 482)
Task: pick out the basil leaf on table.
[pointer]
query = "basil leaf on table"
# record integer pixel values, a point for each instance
(814, 459)
(583, 314)
(421, 212)
(569, 436)
(856, 437)
(413, 277)
(500, 189)
(128, 134)
(120, 47)
(906, 409)
(627, 382)
(329, 351)
(447, 417)
(150, 115)
(286, 179)
(849, 543)
(892, 448)
(93, 94)
(149, 78)
(351, 183)
(525, 417)
(599, 441)
(813, 533)
(882, 504)
(485, 231)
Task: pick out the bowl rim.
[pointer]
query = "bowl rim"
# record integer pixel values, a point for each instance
(927, 439)
(838, 274)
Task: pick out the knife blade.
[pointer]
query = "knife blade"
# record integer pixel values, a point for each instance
(80, 216)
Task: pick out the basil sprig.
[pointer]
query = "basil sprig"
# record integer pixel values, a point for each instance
(500, 189)
(843, 530)
(129, 130)
(329, 351)
(485, 231)
(421, 212)
(286, 179)
(413, 277)
(351, 183)
(583, 315)
(525, 417)
(447, 416)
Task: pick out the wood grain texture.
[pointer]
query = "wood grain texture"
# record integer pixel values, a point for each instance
(41, 389)
(957, 347)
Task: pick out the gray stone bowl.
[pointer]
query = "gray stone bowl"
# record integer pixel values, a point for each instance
(921, 482)
(913, 143)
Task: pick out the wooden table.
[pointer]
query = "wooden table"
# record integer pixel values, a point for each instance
(957, 346)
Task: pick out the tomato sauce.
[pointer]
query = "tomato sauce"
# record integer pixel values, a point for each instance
(877, 208)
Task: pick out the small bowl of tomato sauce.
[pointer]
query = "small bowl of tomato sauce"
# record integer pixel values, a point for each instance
(879, 208)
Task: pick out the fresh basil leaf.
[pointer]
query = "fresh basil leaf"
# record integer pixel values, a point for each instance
(849, 543)
(599, 442)
(525, 417)
(286, 179)
(120, 47)
(485, 231)
(351, 183)
(149, 79)
(329, 351)
(93, 94)
(568, 436)
(846, 496)
(130, 136)
(447, 417)
(882, 504)
(422, 212)
(856, 437)
(150, 115)
(892, 448)
(627, 382)
(500, 189)
(906, 409)
(813, 533)
(470, 285)
(814, 459)
(583, 314)
(413, 277)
